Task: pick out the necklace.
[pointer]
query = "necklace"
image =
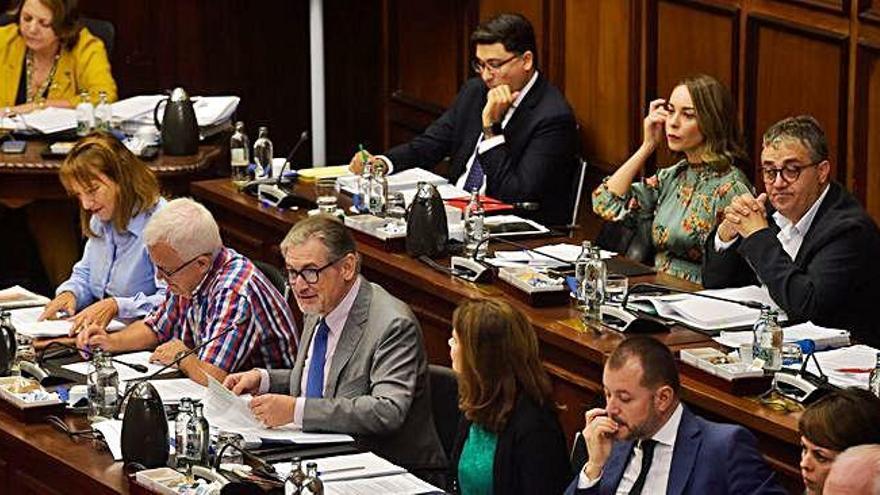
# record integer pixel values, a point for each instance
(38, 94)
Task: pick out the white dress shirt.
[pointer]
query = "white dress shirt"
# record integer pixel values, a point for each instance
(658, 476)
(335, 319)
(791, 235)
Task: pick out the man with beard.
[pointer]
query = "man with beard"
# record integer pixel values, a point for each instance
(646, 441)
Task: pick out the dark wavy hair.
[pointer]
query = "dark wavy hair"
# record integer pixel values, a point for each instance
(842, 419)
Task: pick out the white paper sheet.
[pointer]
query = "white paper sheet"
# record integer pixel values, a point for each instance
(25, 322)
(19, 297)
(400, 484)
(125, 373)
(174, 389)
(840, 365)
(348, 467)
(825, 338)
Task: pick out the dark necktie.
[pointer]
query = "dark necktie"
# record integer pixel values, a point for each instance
(315, 381)
(647, 447)
(474, 179)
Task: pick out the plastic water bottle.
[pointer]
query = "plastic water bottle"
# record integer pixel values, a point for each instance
(184, 413)
(239, 155)
(263, 153)
(103, 113)
(102, 387)
(295, 478)
(580, 272)
(593, 287)
(198, 437)
(378, 198)
(362, 200)
(312, 485)
(475, 245)
(874, 380)
(85, 115)
(768, 340)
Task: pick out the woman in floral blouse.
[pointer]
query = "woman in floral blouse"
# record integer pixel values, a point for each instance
(685, 199)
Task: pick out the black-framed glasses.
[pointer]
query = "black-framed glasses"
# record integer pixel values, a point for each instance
(493, 65)
(168, 274)
(789, 173)
(310, 275)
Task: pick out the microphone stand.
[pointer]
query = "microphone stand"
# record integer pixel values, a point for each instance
(302, 139)
(251, 186)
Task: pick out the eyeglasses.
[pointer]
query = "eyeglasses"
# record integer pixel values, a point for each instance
(165, 273)
(309, 275)
(790, 173)
(493, 65)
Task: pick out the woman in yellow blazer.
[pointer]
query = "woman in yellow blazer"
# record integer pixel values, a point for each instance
(47, 58)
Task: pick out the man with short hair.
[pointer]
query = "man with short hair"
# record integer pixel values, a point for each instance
(856, 471)
(361, 368)
(814, 247)
(212, 290)
(510, 133)
(645, 441)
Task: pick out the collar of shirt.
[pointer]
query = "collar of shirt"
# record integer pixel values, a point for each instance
(522, 94)
(788, 229)
(216, 267)
(337, 316)
(667, 434)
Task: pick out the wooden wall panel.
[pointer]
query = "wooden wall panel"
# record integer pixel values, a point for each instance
(867, 146)
(601, 84)
(797, 71)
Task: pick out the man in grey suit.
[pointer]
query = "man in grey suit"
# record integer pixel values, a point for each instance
(361, 368)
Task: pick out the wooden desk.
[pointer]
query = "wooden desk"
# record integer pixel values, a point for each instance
(30, 176)
(574, 358)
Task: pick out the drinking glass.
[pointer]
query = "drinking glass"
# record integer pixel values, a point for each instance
(326, 195)
(616, 287)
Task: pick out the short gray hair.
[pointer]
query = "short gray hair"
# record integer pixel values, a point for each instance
(186, 226)
(804, 129)
(331, 232)
(861, 465)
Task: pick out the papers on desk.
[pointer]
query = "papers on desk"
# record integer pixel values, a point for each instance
(48, 120)
(137, 111)
(400, 181)
(825, 338)
(845, 367)
(125, 373)
(19, 297)
(227, 411)
(331, 172)
(567, 252)
(174, 389)
(111, 430)
(708, 314)
(25, 322)
(364, 474)
(399, 484)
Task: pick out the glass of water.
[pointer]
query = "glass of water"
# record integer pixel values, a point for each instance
(326, 195)
(616, 287)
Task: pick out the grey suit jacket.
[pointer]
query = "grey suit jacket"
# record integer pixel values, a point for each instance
(377, 386)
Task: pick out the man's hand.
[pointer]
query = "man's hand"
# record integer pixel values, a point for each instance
(168, 352)
(247, 382)
(727, 229)
(358, 161)
(66, 302)
(498, 101)
(746, 214)
(273, 409)
(598, 432)
(94, 337)
(99, 314)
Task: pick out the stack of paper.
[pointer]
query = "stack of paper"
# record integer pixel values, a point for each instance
(138, 111)
(19, 297)
(48, 120)
(407, 179)
(825, 338)
(845, 367)
(314, 173)
(25, 322)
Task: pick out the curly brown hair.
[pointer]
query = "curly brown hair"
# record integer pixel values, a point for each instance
(66, 21)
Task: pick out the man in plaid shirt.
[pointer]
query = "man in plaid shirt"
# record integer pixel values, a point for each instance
(212, 292)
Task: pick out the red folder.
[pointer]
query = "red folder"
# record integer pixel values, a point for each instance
(491, 205)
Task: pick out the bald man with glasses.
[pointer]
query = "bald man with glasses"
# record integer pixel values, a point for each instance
(361, 368)
(812, 246)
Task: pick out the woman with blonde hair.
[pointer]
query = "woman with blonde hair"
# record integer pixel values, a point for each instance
(683, 201)
(510, 441)
(117, 194)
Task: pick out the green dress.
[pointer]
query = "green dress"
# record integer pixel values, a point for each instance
(475, 466)
(687, 201)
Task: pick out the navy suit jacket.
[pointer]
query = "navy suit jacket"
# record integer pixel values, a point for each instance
(707, 458)
(537, 162)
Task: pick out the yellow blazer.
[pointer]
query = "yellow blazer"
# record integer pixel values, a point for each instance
(85, 67)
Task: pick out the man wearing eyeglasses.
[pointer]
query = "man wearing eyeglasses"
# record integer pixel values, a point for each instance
(213, 293)
(814, 247)
(509, 134)
(361, 368)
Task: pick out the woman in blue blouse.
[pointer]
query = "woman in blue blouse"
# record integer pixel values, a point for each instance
(510, 441)
(117, 194)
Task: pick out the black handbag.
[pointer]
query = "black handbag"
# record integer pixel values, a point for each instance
(426, 229)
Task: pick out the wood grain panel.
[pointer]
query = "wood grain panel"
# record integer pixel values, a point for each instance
(600, 83)
(869, 10)
(793, 71)
(867, 147)
(838, 6)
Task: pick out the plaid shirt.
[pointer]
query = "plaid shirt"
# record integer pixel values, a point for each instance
(234, 293)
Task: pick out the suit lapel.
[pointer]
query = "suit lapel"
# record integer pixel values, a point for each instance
(810, 236)
(684, 453)
(351, 335)
(309, 323)
(617, 462)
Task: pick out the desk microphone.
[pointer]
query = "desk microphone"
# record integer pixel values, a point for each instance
(302, 139)
(251, 186)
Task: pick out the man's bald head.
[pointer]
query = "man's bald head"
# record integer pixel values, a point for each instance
(855, 472)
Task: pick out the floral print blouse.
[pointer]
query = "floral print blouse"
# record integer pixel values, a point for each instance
(686, 200)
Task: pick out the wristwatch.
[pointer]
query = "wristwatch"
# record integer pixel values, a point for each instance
(493, 130)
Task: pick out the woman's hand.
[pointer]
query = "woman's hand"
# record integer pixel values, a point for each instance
(99, 313)
(655, 123)
(63, 303)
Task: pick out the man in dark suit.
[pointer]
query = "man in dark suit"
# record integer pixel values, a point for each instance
(815, 248)
(646, 442)
(509, 133)
(361, 368)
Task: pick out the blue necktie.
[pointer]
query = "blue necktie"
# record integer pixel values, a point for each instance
(315, 383)
(475, 176)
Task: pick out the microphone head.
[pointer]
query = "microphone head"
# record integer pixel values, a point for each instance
(808, 346)
(305, 135)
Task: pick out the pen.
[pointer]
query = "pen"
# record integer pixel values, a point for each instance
(363, 153)
(342, 470)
